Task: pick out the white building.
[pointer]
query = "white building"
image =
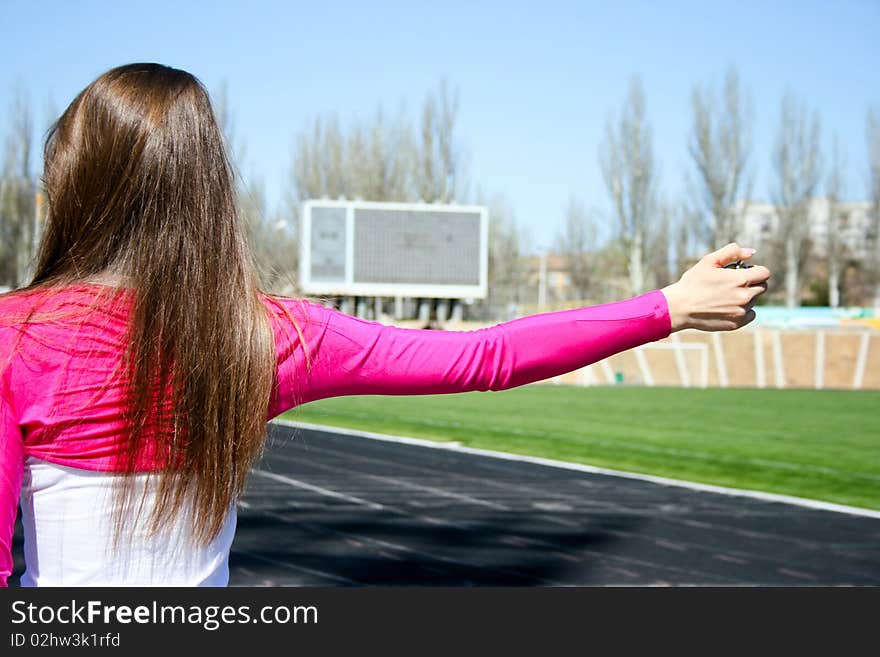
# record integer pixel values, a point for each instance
(759, 222)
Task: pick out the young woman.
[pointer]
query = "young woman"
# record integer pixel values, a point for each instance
(139, 368)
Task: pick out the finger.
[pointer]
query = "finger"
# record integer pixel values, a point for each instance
(752, 302)
(727, 254)
(755, 275)
(757, 290)
(750, 317)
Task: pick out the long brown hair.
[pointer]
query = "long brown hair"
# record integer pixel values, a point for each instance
(139, 186)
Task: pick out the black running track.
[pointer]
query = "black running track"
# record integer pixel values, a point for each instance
(328, 509)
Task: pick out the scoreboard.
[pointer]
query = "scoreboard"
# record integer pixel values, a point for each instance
(364, 248)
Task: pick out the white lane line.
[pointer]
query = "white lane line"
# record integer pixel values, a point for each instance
(461, 497)
(376, 545)
(427, 519)
(290, 566)
(317, 489)
(392, 509)
(440, 492)
(509, 489)
(708, 488)
(394, 481)
(362, 538)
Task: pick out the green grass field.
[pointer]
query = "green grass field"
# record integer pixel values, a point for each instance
(823, 445)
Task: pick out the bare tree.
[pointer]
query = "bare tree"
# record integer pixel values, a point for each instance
(18, 189)
(371, 162)
(684, 228)
(507, 263)
(627, 161)
(312, 175)
(660, 243)
(834, 246)
(379, 155)
(337, 181)
(575, 243)
(612, 283)
(381, 160)
(272, 239)
(872, 133)
(720, 145)
(797, 165)
(439, 175)
(272, 236)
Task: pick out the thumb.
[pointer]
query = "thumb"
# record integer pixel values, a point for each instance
(727, 254)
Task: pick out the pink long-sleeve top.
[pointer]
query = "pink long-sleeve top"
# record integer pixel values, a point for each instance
(61, 409)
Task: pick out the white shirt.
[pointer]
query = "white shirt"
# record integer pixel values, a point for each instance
(67, 515)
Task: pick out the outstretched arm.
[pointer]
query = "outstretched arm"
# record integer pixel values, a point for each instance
(351, 356)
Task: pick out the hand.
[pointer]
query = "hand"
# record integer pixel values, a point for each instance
(711, 298)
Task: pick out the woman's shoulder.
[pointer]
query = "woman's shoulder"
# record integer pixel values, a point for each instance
(16, 305)
(296, 320)
(299, 308)
(62, 314)
(15, 298)
(20, 305)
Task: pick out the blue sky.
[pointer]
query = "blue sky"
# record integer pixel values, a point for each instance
(536, 80)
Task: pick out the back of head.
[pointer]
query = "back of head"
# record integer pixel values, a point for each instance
(140, 189)
(137, 176)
